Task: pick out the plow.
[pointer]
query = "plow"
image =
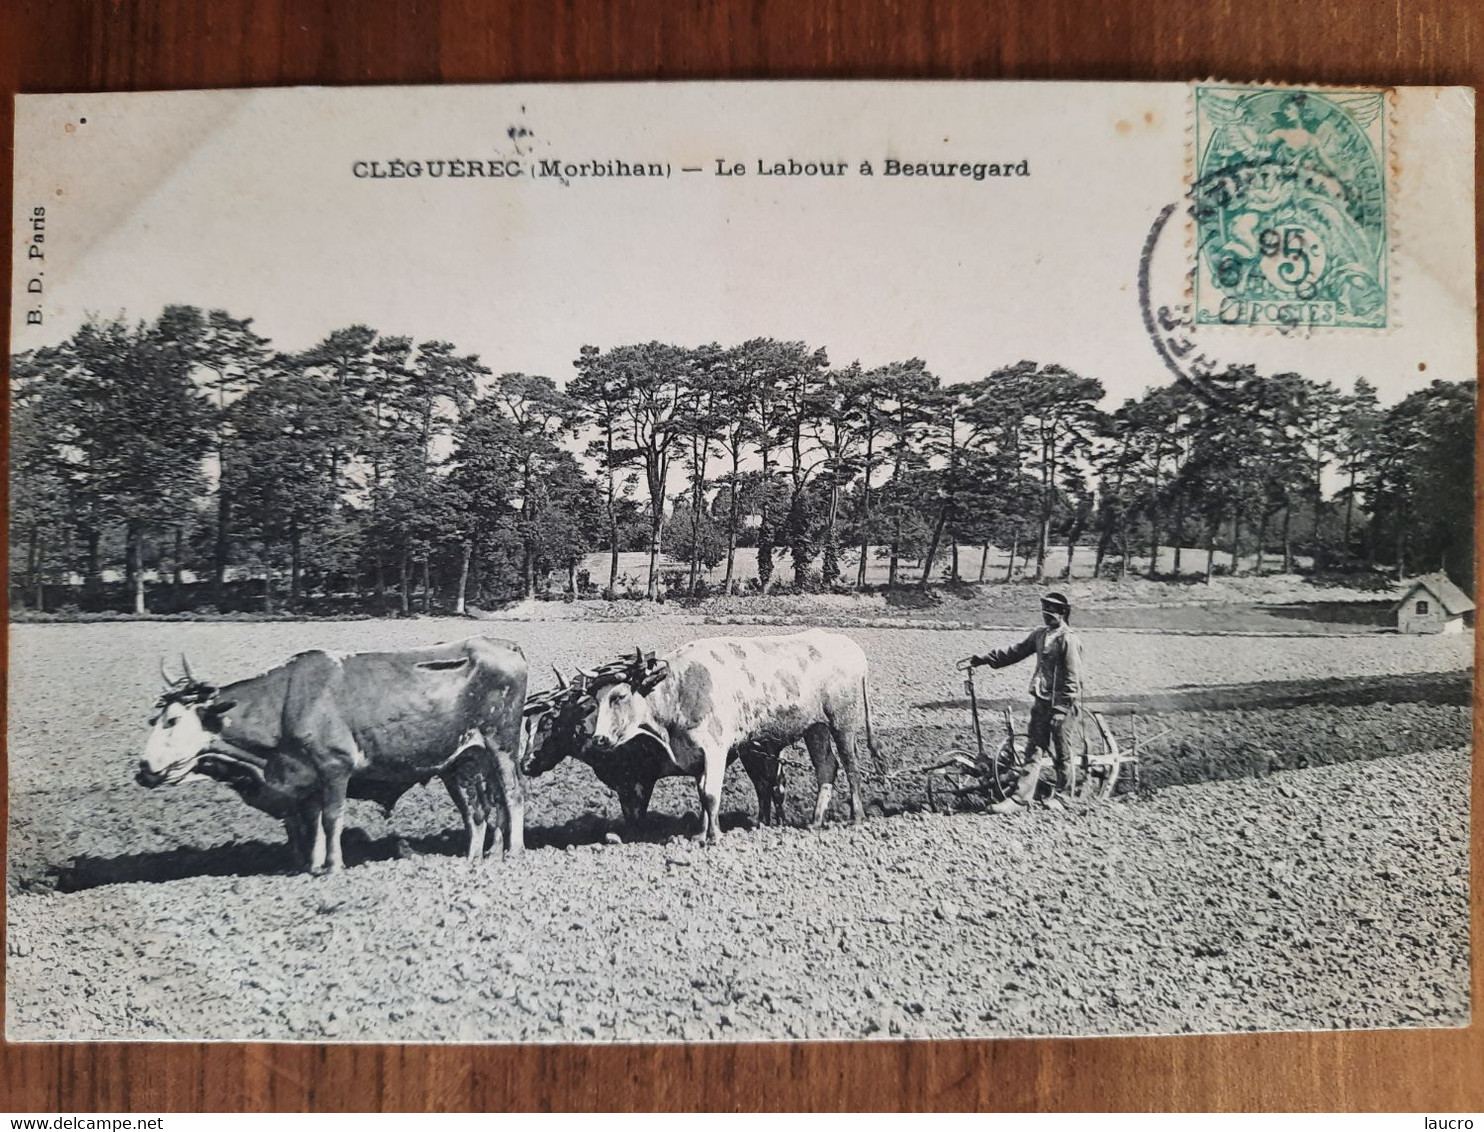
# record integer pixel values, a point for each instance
(991, 771)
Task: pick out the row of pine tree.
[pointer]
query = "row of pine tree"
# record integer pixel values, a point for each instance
(401, 474)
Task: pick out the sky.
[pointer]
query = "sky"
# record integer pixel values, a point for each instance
(248, 201)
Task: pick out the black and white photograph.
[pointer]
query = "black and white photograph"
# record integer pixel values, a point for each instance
(716, 562)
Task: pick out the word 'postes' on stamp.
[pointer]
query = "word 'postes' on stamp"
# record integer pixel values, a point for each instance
(1290, 207)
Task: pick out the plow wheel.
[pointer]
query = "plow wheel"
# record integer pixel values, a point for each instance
(958, 776)
(1100, 768)
(1002, 775)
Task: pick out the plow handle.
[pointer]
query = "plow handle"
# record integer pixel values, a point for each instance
(974, 711)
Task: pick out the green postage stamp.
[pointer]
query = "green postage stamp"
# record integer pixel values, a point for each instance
(1290, 205)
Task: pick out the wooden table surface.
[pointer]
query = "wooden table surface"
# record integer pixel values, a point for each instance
(71, 45)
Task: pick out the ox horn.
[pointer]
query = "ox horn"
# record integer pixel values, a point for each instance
(165, 676)
(561, 680)
(186, 667)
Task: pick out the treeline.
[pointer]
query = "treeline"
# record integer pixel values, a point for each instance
(380, 468)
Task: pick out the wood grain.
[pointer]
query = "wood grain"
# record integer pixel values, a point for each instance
(68, 45)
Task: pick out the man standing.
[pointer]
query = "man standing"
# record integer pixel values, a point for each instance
(1056, 688)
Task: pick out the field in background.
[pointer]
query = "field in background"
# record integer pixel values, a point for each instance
(1271, 603)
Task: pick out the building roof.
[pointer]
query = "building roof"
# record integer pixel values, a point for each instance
(1453, 600)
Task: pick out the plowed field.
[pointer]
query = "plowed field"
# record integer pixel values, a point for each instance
(1297, 895)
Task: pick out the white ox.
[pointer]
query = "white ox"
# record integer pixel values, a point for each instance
(711, 697)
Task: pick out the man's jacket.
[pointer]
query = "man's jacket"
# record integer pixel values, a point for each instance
(1058, 652)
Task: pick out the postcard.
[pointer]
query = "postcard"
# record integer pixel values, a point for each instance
(740, 561)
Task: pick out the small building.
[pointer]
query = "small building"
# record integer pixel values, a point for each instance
(1432, 604)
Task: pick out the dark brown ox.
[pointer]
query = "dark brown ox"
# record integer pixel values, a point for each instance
(298, 740)
(559, 725)
(715, 698)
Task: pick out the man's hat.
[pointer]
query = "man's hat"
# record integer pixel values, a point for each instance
(1056, 603)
